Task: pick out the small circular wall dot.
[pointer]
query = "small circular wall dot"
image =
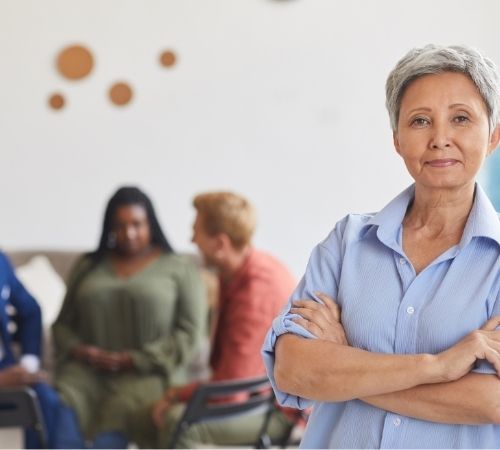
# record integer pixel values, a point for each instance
(167, 58)
(75, 62)
(120, 93)
(56, 101)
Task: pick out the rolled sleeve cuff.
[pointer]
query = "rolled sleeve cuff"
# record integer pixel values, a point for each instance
(484, 367)
(281, 325)
(30, 362)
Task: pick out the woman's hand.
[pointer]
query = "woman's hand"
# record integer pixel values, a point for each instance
(102, 359)
(160, 408)
(113, 361)
(322, 320)
(484, 343)
(86, 353)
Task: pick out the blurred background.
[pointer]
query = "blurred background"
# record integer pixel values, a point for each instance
(279, 100)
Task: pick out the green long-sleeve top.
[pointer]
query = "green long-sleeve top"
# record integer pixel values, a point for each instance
(157, 314)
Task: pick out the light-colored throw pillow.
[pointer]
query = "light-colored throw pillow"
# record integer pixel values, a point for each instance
(44, 283)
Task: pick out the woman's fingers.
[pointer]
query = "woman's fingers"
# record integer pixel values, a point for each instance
(330, 304)
(491, 324)
(320, 319)
(478, 345)
(329, 309)
(493, 357)
(313, 316)
(310, 326)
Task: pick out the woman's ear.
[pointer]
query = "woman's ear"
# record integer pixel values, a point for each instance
(494, 140)
(395, 139)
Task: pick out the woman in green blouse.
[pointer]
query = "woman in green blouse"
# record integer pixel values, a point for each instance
(133, 315)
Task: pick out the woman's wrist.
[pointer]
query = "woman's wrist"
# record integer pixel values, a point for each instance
(430, 368)
(126, 361)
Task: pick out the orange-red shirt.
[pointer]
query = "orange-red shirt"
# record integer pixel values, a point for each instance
(248, 303)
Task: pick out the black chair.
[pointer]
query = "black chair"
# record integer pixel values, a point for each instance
(300, 418)
(19, 407)
(207, 403)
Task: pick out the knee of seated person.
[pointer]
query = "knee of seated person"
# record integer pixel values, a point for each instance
(170, 423)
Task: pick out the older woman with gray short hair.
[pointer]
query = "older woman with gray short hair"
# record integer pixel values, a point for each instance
(391, 334)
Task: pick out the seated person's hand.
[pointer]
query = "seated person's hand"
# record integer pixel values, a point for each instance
(113, 361)
(161, 407)
(15, 376)
(86, 353)
(102, 359)
(322, 320)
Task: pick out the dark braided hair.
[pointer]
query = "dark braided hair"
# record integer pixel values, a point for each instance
(125, 196)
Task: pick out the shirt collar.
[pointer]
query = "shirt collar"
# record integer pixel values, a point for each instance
(483, 220)
(389, 219)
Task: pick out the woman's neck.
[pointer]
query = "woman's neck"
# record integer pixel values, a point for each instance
(439, 213)
(145, 253)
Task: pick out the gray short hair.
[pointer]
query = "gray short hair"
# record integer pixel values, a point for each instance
(433, 59)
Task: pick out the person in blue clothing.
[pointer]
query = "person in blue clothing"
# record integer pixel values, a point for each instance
(391, 335)
(17, 306)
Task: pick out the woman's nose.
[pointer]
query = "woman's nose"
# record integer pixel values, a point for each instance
(441, 137)
(130, 232)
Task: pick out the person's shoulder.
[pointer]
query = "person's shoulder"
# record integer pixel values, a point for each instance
(266, 268)
(264, 257)
(177, 259)
(350, 227)
(80, 267)
(3, 258)
(177, 264)
(356, 220)
(83, 261)
(5, 264)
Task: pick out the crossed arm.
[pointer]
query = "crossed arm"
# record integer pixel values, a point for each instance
(437, 388)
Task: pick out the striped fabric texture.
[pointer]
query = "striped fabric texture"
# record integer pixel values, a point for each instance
(387, 308)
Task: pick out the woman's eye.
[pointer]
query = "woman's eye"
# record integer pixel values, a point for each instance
(419, 122)
(461, 119)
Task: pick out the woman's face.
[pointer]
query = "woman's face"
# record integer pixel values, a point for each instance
(443, 131)
(132, 230)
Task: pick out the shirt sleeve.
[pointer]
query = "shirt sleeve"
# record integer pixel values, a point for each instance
(28, 313)
(322, 275)
(483, 366)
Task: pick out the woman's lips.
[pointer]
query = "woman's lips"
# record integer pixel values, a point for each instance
(442, 162)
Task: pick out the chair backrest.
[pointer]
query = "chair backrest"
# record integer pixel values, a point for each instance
(212, 401)
(19, 407)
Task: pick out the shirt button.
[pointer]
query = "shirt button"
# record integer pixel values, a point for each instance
(410, 310)
(397, 422)
(11, 327)
(402, 261)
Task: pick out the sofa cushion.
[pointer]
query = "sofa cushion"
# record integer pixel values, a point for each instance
(45, 284)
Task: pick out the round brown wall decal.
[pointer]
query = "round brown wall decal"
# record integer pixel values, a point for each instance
(56, 101)
(167, 58)
(120, 93)
(75, 62)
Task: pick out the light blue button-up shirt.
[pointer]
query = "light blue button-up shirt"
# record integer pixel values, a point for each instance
(387, 308)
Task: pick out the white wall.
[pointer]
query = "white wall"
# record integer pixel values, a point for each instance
(282, 101)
